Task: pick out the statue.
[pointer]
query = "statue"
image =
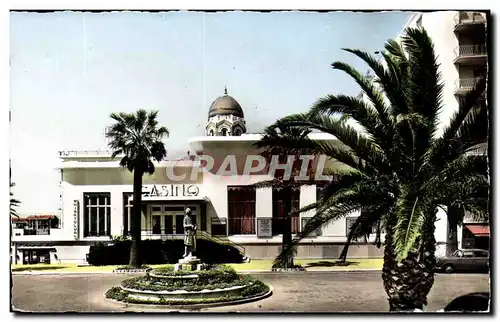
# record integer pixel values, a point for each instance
(189, 235)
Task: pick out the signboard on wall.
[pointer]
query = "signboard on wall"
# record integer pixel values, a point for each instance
(218, 221)
(76, 218)
(171, 190)
(264, 227)
(218, 226)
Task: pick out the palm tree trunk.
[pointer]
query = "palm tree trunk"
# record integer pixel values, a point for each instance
(452, 236)
(135, 224)
(408, 283)
(287, 232)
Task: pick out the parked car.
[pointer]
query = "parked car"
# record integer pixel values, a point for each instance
(464, 260)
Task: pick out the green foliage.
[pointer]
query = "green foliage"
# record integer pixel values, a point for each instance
(253, 291)
(14, 203)
(119, 239)
(220, 274)
(194, 284)
(137, 136)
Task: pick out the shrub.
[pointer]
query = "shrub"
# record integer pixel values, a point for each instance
(161, 252)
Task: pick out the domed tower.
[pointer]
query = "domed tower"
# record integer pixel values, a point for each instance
(225, 117)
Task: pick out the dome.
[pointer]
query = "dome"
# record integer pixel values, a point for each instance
(225, 105)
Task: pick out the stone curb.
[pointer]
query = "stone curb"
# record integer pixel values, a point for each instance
(242, 272)
(189, 307)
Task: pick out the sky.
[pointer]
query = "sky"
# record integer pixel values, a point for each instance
(70, 70)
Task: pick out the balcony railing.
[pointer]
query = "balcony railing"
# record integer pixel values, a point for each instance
(471, 50)
(466, 84)
(463, 18)
(28, 231)
(241, 226)
(74, 153)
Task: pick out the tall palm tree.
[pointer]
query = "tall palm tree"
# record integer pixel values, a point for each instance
(402, 171)
(284, 142)
(138, 137)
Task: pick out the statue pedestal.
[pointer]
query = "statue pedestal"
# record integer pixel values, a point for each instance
(190, 263)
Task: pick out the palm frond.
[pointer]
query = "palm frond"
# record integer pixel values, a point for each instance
(138, 137)
(410, 219)
(375, 97)
(363, 147)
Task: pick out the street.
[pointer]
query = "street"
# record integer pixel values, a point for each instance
(293, 292)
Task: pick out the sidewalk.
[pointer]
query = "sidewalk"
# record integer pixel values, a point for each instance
(255, 266)
(257, 271)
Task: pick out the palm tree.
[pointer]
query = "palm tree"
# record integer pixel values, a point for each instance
(284, 142)
(14, 203)
(138, 137)
(401, 170)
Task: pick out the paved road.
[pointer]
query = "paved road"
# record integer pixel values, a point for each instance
(293, 292)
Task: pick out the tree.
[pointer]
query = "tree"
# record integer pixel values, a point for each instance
(284, 142)
(401, 170)
(14, 203)
(138, 137)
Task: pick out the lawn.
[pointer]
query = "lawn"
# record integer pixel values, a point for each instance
(256, 264)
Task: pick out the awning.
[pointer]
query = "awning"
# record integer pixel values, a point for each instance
(479, 230)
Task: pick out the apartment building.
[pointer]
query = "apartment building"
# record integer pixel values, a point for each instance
(460, 44)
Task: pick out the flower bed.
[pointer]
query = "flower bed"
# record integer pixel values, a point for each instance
(163, 286)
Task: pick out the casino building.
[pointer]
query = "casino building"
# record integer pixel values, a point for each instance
(96, 197)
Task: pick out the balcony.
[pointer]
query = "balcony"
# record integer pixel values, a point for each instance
(465, 85)
(471, 55)
(468, 21)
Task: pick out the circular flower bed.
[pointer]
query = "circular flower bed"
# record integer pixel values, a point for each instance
(220, 284)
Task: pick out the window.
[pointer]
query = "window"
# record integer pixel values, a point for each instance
(319, 190)
(304, 221)
(127, 212)
(349, 221)
(237, 132)
(178, 208)
(97, 214)
(211, 133)
(468, 254)
(223, 132)
(241, 210)
(279, 211)
(480, 254)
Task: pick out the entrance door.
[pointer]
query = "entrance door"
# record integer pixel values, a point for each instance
(169, 224)
(156, 224)
(179, 221)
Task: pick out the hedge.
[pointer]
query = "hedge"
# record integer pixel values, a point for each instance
(161, 252)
